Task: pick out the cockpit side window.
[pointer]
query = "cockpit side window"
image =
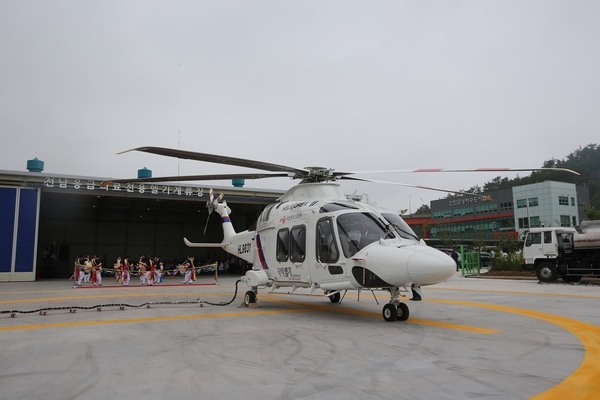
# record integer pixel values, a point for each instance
(357, 230)
(327, 250)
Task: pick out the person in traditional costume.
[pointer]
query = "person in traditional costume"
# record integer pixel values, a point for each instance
(190, 270)
(150, 271)
(87, 269)
(142, 265)
(118, 266)
(96, 271)
(78, 273)
(126, 273)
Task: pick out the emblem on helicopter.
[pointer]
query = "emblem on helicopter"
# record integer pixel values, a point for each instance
(337, 243)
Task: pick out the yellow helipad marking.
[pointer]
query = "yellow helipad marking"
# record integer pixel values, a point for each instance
(378, 315)
(575, 296)
(584, 382)
(149, 319)
(303, 307)
(111, 296)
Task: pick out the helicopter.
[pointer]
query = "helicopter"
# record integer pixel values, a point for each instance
(317, 238)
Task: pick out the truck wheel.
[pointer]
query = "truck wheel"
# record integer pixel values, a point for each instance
(546, 272)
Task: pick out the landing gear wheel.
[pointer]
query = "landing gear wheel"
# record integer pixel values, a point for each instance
(390, 312)
(402, 312)
(546, 272)
(335, 298)
(249, 297)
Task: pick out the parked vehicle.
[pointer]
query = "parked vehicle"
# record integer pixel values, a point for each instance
(568, 253)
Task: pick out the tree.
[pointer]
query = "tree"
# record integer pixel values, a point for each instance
(584, 160)
(424, 209)
(498, 183)
(592, 213)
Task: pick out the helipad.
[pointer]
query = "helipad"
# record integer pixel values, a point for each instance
(470, 338)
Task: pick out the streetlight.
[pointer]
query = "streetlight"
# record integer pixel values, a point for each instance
(409, 210)
(422, 207)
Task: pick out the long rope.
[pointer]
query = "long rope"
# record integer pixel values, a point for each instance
(122, 306)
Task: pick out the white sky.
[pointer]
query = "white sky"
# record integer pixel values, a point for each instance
(352, 85)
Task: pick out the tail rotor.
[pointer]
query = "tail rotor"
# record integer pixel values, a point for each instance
(211, 204)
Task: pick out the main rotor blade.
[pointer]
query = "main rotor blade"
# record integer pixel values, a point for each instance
(401, 171)
(353, 178)
(217, 159)
(187, 178)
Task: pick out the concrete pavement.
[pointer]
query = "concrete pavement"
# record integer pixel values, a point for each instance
(469, 338)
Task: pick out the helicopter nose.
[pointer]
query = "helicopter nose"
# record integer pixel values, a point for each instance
(428, 266)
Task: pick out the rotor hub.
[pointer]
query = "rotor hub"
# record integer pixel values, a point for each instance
(318, 174)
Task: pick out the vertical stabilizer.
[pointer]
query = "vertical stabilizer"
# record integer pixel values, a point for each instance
(228, 231)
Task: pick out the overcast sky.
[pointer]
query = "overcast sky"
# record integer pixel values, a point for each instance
(351, 85)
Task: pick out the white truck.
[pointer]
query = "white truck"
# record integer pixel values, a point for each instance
(568, 253)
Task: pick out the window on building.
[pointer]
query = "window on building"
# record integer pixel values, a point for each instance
(522, 203)
(574, 221)
(535, 222)
(573, 201)
(523, 223)
(565, 220)
(563, 200)
(533, 202)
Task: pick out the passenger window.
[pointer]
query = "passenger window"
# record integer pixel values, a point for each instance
(327, 250)
(282, 245)
(298, 244)
(547, 237)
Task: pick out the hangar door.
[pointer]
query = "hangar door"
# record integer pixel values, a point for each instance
(18, 233)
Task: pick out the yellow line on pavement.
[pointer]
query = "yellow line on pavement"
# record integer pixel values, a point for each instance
(149, 319)
(111, 296)
(575, 296)
(437, 324)
(584, 382)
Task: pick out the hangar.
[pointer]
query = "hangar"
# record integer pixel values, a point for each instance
(47, 219)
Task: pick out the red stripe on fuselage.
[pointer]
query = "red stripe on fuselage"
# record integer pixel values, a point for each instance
(261, 255)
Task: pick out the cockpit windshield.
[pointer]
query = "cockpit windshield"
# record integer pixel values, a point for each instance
(357, 230)
(401, 227)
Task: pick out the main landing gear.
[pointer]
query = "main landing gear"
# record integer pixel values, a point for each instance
(250, 298)
(395, 310)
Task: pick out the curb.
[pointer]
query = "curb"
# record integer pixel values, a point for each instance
(517, 278)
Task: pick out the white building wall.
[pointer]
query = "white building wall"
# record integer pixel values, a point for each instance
(548, 208)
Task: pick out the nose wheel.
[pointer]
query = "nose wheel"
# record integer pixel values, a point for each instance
(395, 310)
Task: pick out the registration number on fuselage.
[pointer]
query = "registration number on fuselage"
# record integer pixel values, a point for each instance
(244, 248)
(286, 272)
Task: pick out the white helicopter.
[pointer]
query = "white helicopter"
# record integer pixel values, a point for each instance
(316, 237)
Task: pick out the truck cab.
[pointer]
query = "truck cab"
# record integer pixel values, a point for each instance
(559, 252)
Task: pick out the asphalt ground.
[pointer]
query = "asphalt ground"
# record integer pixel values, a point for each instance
(468, 338)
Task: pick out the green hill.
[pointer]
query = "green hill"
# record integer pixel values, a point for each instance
(585, 160)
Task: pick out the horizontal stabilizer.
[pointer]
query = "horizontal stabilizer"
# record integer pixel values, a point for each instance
(190, 244)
